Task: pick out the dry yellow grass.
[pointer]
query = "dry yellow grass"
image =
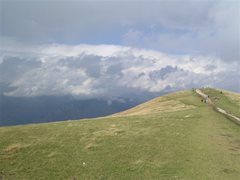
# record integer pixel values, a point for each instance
(14, 148)
(157, 105)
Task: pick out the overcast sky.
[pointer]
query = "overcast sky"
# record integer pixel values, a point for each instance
(117, 48)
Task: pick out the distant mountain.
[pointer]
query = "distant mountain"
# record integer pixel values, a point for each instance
(176, 136)
(24, 110)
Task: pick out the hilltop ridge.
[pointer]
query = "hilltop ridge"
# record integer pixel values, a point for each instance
(169, 103)
(173, 136)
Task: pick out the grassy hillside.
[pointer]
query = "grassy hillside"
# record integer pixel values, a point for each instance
(169, 103)
(171, 137)
(226, 100)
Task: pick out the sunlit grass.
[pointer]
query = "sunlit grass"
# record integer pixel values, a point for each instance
(225, 100)
(194, 143)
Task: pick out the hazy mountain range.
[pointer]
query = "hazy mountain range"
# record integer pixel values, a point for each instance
(24, 110)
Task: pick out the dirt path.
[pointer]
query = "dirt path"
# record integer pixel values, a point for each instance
(218, 109)
(204, 96)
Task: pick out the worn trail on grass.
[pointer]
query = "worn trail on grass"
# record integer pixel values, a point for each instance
(218, 109)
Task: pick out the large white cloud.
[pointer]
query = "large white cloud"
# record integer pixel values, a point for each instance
(107, 71)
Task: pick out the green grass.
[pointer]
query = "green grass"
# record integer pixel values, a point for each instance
(195, 143)
(226, 100)
(177, 101)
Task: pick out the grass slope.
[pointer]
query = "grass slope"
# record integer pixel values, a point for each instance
(191, 142)
(168, 103)
(226, 100)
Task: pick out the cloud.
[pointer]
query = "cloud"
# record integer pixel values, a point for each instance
(87, 71)
(209, 28)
